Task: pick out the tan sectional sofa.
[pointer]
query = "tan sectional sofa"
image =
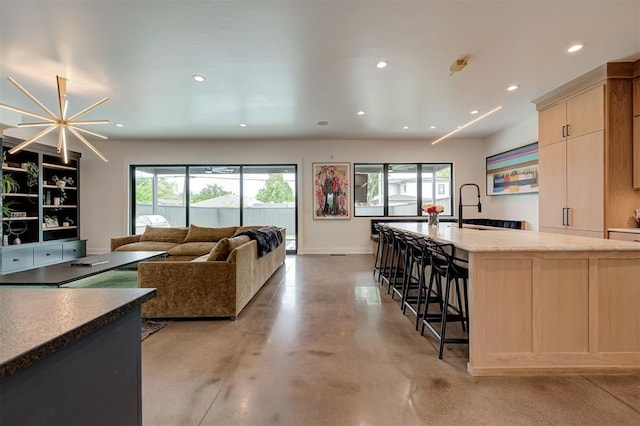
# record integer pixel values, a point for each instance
(201, 278)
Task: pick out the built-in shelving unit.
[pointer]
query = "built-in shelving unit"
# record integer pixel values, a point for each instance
(40, 220)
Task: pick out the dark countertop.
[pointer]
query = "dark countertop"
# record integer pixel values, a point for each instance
(35, 323)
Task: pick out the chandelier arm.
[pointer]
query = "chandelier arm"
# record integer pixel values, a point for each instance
(64, 148)
(25, 112)
(86, 142)
(62, 92)
(33, 99)
(88, 122)
(87, 131)
(60, 136)
(34, 124)
(33, 139)
(86, 110)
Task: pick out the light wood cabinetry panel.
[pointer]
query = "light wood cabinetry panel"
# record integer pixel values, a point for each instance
(585, 185)
(618, 306)
(508, 316)
(636, 152)
(636, 96)
(563, 286)
(590, 234)
(550, 124)
(552, 183)
(585, 112)
(625, 236)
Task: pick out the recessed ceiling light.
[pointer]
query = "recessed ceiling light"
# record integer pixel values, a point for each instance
(199, 78)
(432, 127)
(575, 47)
(323, 123)
(243, 125)
(474, 112)
(360, 112)
(381, 64)
(119, 125)
(405, 127)
(512, 87)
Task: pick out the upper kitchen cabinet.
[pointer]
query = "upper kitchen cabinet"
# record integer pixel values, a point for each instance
(585, 131)
(577, 116)
(636, 126)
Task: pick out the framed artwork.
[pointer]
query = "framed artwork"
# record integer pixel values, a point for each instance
(331, 190)
(514, 171)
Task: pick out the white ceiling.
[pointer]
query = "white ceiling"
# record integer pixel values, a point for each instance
(282, 66)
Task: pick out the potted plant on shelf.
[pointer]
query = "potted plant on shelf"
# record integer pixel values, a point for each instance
(9, 184)
(33, 172)
(61, 183)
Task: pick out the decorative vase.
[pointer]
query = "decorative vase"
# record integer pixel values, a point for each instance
(434, 219)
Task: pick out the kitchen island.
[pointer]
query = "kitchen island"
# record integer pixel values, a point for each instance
(71, 356)
(543, 303)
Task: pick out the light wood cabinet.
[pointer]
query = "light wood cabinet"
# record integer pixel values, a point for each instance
(585, 131)
(636, 132)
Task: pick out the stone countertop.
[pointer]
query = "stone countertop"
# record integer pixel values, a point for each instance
(37, 322)
(627, 230)
(474, 239)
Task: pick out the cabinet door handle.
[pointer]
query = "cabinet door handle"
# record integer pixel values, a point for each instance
(47, 254)
(564, 136)
(15, 260)
(636, 241)
(563, 216)
(568, 208)
(567, 135)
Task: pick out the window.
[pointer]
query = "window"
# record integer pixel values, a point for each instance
(369, 192)
(214, 195)
(218, 195)
(399, 189)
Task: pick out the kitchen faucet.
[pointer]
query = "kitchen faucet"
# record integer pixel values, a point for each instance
(460, 205)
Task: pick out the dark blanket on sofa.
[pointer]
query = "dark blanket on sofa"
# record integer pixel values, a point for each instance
(267, 239)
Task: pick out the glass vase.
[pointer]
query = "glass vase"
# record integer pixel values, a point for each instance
(434, 219)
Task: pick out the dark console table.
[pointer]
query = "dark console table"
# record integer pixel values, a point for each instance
(63, 273)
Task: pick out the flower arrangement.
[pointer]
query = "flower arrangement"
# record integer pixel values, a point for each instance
(433, 210)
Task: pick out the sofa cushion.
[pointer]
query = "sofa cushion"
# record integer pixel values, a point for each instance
(203, 234)
(246, 228)
(202, 258)
(147, 246)
(225, 246)
(192, 249)
(167, 235)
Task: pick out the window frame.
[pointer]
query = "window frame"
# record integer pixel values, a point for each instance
(419, 196)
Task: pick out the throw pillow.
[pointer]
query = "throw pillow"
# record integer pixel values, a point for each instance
(167, 235)
(225, 246)
(204, 234)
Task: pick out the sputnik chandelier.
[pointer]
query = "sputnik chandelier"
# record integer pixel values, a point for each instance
(61, 122)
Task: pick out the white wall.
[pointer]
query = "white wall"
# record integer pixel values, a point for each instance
(513, 207)
(104, 186)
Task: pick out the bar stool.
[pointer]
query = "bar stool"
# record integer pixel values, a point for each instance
(387, 255)
(446, 266)
(416, 295)
(400, 269)
(378, 259)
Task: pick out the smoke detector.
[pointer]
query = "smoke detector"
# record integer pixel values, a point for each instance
(458, 65)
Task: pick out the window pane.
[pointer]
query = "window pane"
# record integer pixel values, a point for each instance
(402, 189)
(214, 198)
(269, 198)
(159, 197)
(436, 179)
(368, 190)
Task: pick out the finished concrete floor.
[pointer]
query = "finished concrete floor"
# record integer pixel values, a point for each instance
(321, 344)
